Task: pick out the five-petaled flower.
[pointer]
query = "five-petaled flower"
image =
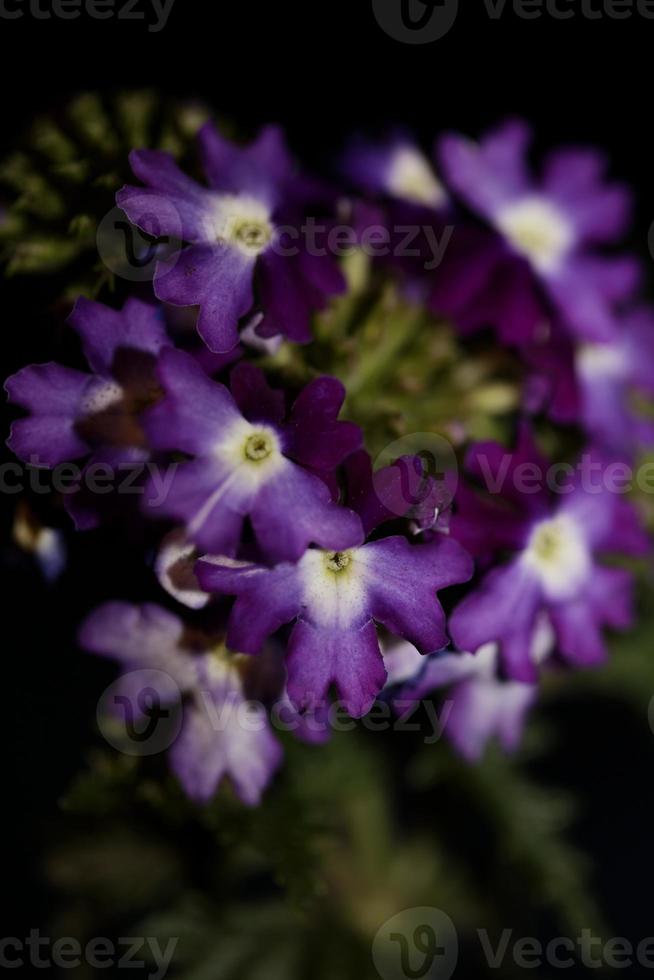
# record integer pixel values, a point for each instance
(245, 252)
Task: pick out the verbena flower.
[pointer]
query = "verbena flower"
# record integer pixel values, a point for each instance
(554, 542)
(75, 414)
(479, 704)
(547, 232)
(252, 459)
(223, 734)
(334, 598)
(394, 168)
(610, 376)
(240, 257)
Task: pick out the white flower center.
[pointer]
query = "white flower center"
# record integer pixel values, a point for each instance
(558, 553)
(601, 361)
(243, 222)
(100, 396)
(537, 230)
(412, 178)
(252, 455)
(333, 586)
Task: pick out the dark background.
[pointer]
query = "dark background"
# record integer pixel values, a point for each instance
(322, 69)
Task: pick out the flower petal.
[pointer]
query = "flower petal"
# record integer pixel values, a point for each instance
(218, 279)
(350, 659)
(402, 581)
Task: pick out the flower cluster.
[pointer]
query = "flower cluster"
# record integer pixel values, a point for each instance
(290, 567)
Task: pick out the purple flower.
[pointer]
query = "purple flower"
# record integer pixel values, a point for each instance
(554, 542)
(547, 231)
(223, 735)
(394, 168)
(74, 414)
(334, 598)
(252, 460)
(609, 374)
(239, 257)
(479, 704)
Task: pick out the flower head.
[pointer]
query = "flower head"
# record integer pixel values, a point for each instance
(547, 233)
(251, 459)
(334, 597)
(74, 414)
(553, 569)
(479, 703)
(235, 263)
(216, 740)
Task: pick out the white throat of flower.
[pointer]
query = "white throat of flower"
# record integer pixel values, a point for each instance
(411, 177)
(244, 223)
(333, 584)
(559, 555)
(601, 361)
(254, 450)
(251, 455)
(100, 396)
(537, 230)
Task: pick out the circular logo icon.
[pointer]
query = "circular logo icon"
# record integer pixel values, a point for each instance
(140, 713)
(422, 479)
(416, 21)
(132, 253)
(417, 944)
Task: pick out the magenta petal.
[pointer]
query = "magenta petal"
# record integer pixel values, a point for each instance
(574, 178)
(215, 742)
(202, 495)
(578, 632)
(484, 710)
(490, 173)
(503, 609)
(260, 169)
(294, 509)
(287, 300)
(582, 306)
(160, 213)
(139, 637)
(103, 331)
(53, 394)
(314, 436)
(254, 396)
(268, 598)
(195, 411)
(350, 659)
(219, 280)
(402, 582)
(159, 170)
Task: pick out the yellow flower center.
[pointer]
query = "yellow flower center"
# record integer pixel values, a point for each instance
(258, 446)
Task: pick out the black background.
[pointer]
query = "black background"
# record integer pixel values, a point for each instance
(322, 69)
